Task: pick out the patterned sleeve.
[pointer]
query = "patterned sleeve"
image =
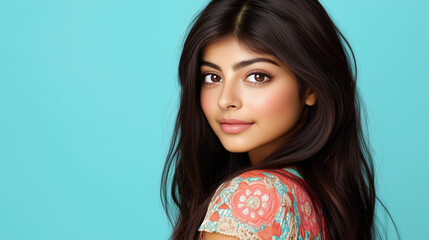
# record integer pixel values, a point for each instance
(253, 205)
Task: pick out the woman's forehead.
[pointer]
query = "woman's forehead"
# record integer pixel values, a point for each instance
(232, 49)
(232, 43)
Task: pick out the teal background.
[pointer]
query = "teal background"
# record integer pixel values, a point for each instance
(89, 91)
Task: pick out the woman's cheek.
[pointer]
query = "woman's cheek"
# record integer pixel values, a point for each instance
(208, 105)
(275, 104)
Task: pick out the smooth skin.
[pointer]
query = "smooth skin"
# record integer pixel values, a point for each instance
(263, 92)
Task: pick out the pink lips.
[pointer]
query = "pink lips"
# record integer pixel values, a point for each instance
(230, 125)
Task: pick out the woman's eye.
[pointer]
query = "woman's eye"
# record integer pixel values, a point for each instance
(258, 77)
(211, 78)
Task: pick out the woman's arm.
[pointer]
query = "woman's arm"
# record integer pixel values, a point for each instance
(217, 236)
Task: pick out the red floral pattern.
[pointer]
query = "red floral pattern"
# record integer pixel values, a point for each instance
(255, 173)
(307, 213)
(255, 204)
(263, 205)
(268, 232)
(305, 208)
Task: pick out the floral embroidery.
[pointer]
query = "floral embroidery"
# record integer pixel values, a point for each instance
(293, 230)
(307, 215)
(254, 173)
(261, 205)
(214, 217)
(245, 234)
(305, 208)
(227, 225)
(268, 232)
(255, 204)
(269, 182)
(288, 201)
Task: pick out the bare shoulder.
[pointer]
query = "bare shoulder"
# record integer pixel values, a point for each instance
(217, 236)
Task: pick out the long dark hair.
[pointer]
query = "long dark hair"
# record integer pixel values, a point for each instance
(329, 146)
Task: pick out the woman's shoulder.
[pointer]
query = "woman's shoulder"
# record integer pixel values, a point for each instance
(262, 204)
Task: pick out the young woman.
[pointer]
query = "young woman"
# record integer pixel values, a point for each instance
(268, 142)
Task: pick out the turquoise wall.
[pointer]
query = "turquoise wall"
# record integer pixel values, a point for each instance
(88, 92)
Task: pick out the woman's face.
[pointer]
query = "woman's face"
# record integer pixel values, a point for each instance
(251, 87)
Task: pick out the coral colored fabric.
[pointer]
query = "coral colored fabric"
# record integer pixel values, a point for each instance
(263, 205)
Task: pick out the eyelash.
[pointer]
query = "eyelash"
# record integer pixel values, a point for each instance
(259, 84)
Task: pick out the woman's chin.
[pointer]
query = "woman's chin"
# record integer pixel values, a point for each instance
(236, 148)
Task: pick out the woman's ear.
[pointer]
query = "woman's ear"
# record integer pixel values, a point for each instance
(310, 97)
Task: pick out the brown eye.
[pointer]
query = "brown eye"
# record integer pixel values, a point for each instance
(214, 78)
(259, 77)
(211, 78)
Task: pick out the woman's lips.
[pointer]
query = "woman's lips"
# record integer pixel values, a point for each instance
(235, 128)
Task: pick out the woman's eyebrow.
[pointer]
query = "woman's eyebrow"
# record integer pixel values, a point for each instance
(241, 64)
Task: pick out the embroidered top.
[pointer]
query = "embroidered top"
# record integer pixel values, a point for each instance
(265, 206)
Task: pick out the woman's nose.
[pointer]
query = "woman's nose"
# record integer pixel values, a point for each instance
(230, 96)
